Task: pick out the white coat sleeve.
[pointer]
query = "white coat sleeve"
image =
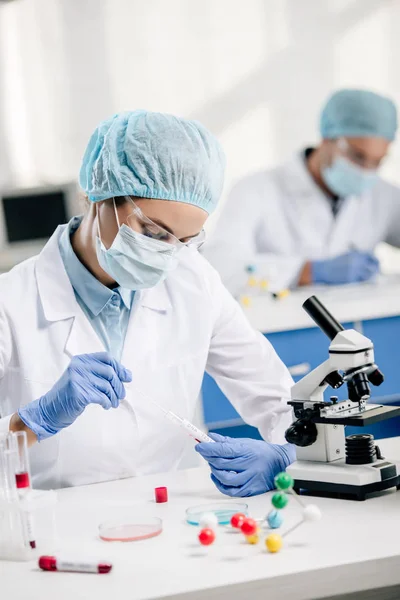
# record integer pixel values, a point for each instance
(5, 354)
(234, 245)
(248, 370)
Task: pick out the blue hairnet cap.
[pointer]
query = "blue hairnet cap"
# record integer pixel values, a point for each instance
(358, 113)
(153, 155)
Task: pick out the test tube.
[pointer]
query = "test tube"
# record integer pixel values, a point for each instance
(22, 469)
(10, 524)
(8, 486)
(4, 487)
(23, 480)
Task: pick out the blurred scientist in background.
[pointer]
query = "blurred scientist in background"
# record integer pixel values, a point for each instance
(121, 296)
(318, 217)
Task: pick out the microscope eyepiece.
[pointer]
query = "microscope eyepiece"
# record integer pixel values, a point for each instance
(322, 317)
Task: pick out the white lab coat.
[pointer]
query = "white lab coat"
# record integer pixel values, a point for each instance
(176, 330)
(278, 219)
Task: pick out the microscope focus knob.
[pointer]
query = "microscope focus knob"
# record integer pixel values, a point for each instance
(301, 433)
(334, 379)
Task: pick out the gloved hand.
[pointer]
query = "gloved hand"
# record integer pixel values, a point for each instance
(245, 467)
(346, 268)
(89, 379)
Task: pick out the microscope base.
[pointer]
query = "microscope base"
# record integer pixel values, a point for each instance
(341, 480)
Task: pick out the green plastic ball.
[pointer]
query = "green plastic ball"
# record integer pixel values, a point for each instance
(284, 481)
(279, 500)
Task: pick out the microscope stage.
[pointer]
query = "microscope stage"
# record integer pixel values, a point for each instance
(373, 414)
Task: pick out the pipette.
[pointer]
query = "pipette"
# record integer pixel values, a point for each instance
(191, 429)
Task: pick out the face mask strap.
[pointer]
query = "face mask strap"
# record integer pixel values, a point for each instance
(343, 144)
(98, 222)
(116, 213)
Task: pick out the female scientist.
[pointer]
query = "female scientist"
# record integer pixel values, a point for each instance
(119, 313)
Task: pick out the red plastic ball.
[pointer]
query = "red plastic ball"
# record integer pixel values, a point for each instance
(237, 520)
(206, 537)
(249, 527)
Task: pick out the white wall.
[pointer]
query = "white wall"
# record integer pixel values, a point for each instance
(255, 72)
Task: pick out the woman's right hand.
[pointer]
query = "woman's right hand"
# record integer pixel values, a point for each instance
(89, 379)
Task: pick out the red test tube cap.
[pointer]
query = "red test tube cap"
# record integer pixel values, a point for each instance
(161, 494)
(104, 568)
(48, 563)
(22, 480)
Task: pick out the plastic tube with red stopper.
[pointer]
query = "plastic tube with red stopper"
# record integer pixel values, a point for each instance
(51, 563)
(23, 481)
(161, 494)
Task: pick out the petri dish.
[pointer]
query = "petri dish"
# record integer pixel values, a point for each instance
(222, 510)
(130, 530)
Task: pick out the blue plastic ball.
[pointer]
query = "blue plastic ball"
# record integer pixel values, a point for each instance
(275, 519)
(251, 269)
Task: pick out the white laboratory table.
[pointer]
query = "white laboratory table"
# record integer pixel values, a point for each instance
(348, 303)
(355, 547)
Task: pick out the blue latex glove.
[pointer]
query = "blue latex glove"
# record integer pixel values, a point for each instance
(245, 467)
(346, 268)
(89, 379)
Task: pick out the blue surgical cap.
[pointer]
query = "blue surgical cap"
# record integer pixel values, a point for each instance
(358, 113)
(153, 155)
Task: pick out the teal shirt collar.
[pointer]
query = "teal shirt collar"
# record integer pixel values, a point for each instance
(92, 293)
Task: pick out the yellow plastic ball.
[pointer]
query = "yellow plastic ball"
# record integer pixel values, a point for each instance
(274, 542)
(282, 294)
(252, 281)
(264, 284)
(246, 300)
(253, 539)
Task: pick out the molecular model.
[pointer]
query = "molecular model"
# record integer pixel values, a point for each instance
(251, 528)
(252, 284)
(256, 286)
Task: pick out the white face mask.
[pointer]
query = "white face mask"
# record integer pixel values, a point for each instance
(134, 260)
(344, 178)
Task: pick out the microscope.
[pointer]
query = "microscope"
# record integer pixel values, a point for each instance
(328, 463)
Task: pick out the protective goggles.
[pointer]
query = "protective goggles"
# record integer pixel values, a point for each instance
(355, 156)
(138, 221)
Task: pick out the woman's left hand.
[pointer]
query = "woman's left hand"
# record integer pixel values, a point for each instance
(243, 466)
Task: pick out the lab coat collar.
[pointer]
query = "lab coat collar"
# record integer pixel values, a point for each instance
(55, 289)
